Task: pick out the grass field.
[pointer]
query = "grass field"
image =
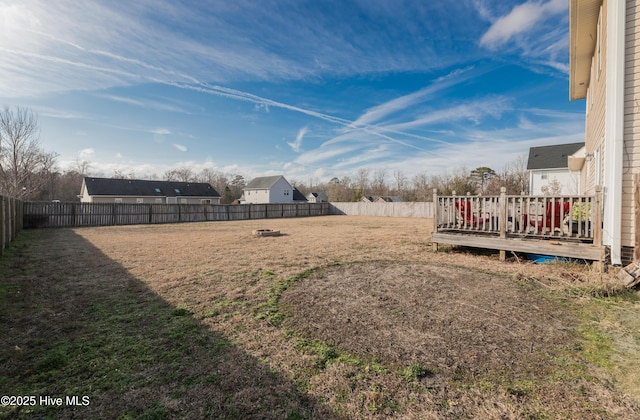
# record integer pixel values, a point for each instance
(339, 317)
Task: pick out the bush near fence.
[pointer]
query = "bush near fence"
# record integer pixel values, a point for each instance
(11, 220)
(49, 214)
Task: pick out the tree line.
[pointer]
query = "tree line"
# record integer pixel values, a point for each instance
(29, 172)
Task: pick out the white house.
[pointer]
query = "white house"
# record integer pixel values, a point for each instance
(317, 197)
(603, 70)
(550, 172)
(268, 189)
(110, 190)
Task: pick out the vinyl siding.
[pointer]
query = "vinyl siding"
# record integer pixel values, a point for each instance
(631, 158)
(596, 113)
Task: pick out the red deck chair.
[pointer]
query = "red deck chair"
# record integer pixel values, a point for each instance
(470, 218)
(553, 218)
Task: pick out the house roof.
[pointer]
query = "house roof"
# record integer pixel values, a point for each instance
(390, 199)
(583, 28)
(144, 188)
(316, 194)
(263, 182)
(298, 196)
(551, 157)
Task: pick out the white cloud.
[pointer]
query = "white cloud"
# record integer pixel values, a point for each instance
(522, 18)
(376, 113)
(180, 147)
(85, 154)
(161, 131)
(295, 146)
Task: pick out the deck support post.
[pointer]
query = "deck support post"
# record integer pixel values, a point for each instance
(502, 219)
(598, 208)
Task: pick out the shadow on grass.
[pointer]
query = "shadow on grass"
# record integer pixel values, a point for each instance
(77, 326)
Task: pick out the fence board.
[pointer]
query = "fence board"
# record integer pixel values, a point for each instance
(46, 214)
(11, 223)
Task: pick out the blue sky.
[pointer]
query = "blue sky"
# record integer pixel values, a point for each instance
(309, 89)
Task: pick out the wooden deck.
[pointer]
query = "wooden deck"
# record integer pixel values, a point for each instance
(563, 226)
(554, 247)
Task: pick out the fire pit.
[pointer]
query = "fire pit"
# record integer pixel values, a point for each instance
(266, 232)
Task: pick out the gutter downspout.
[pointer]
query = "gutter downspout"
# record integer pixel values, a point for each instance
(614, 127)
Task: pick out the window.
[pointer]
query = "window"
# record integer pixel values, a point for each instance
(286, 192)
(158, 190)
(118, 200)
(183, 201)
(177, 190)
(205, 201)
(544, 175)
(159, 200)
(139, 200)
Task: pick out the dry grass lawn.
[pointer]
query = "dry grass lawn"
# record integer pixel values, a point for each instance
(339, 317)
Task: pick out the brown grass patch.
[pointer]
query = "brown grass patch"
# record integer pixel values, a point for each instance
(186, 321)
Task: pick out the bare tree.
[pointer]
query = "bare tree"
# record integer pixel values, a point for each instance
(421, 187)
(401, 182)
(378, 184)
(362, 180)
(25, 168)
(182, 174)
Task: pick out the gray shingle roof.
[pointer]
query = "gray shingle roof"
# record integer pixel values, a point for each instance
(551, 157)
(262, 182)
(143, 188)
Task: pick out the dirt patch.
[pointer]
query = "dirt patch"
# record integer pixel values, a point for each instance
(443, 318)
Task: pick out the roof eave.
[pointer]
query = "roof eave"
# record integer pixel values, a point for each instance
(583, 24)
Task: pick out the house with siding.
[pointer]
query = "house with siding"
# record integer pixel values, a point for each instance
(317, 197)
(269, 189)
(604, 70)
(550, 172)
(110, 190)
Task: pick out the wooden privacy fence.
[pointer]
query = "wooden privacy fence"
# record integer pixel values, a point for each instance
(10, 220)
(47, 214)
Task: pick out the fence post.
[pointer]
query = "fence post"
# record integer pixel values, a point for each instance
(12, 219)
(502, 220)
(3, 222)
(434, 245)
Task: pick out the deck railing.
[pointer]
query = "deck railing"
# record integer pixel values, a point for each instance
(576, 217)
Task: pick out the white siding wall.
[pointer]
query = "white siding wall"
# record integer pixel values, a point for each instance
(631, 158)
(595, 109)
(595, 122)
(281, 192)
(569, 181)
(256, 196)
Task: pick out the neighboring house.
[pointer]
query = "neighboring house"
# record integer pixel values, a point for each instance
(604, 70)
(366, 199)
(268, 189)
(388, 199)
(549, 171)
(109, 190)
(317, 197)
